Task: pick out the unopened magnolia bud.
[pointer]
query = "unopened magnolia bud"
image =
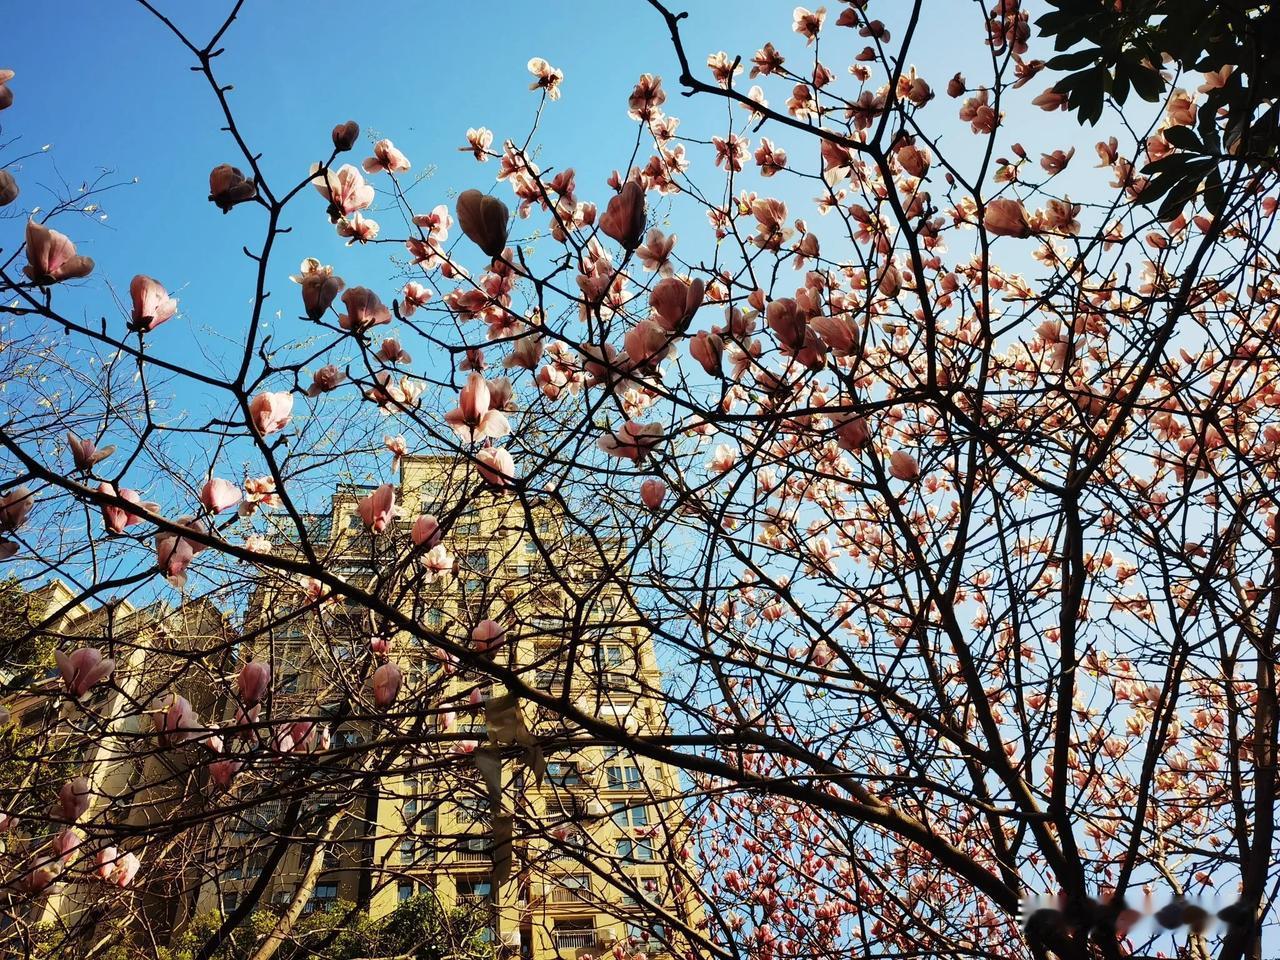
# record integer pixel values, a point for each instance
(344, 136)
(623, 218)
(228, 186)
(484, 220)
(8, 188)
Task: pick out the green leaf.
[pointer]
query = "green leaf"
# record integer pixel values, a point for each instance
(1184, 138)
(1178, 197)
(1076, 59)
(1215, 197)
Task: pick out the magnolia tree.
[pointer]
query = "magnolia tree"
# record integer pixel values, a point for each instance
(948, 498)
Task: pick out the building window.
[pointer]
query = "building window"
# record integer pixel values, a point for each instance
(404, 890)
(564, 774)
(322, 897)
(625, 815)
(408, 851)
(622, 778)
(635, 850)
(647, 938)
(474, 890)
(571, 888)
(472, 808)
(574, 934)
(289, 682)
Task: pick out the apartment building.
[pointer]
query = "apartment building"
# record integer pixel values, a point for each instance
(556, 843)
(134, 789)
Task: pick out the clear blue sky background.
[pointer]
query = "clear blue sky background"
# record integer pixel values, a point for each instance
(123, 98)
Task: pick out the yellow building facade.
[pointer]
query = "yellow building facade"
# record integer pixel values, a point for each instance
(582, 849)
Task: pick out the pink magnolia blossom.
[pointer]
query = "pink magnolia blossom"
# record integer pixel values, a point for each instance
(259, 492)
(327, 378)
(479, 140)
(345, 190)
(1006, 218)
(177, 723)
(254, 682)
(413, 296)
(392, 352)
(652, 492)
(495, 466)
(473, 419)
(398, 447)
(320, 287)
(821, 654)
(364, 310)
(437, 562)
(808, 23)
(115, 868)
(8, 185)
(436, 224)
(152, 305)
(271, 412)
(484, 221)
(722, 459)
(487, 634)
(46, 871)
(546, 77)
(15, 507)
(386, 158)
(218, 495)
(358, 228)
(344, 136)
(223, 771)
(174, 552)
(903, 466)
(632, 441)
(228, 186)
(6, 95)
(52, 257)
(655, 254)
(841, 334)
(65, 845)
(83, 669)
(426, 529)
(378, 509)
(852, 434)
(624, 217)
(647, 344)
(74, 799)
(386, 685)
(675, 301)
(708, 350)
(86, 454)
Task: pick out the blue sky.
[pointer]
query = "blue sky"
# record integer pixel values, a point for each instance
(420, 73)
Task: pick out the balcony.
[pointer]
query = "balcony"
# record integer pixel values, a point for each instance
(574, 939)
(570, 895)
(475, 852)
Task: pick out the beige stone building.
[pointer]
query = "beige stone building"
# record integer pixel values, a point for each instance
(584, 848)
(136, 791)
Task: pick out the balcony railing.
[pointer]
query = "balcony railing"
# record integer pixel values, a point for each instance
(469, 855)
(574, 939)
(570, 894)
